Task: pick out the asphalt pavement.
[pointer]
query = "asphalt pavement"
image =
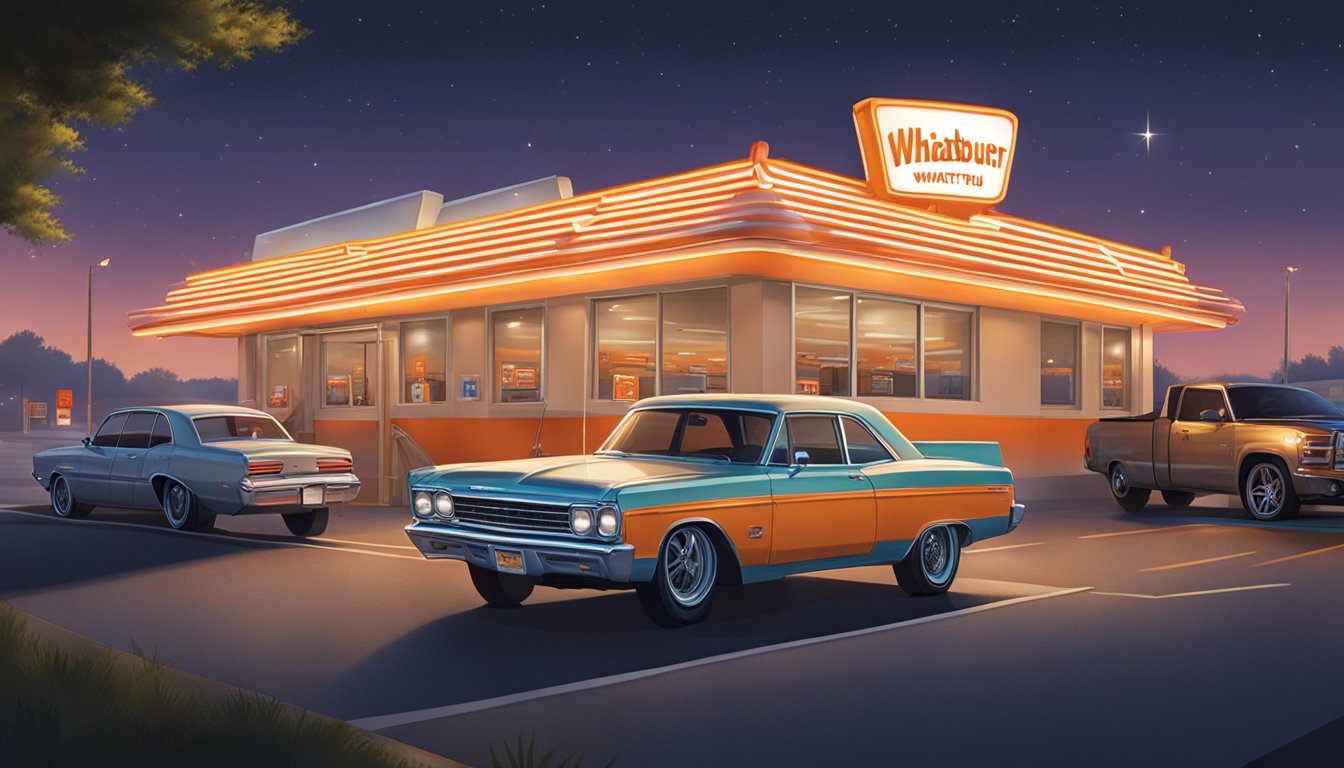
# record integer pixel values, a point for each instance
(1088, 636)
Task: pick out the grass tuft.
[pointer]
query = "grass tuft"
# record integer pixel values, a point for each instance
(526, 757)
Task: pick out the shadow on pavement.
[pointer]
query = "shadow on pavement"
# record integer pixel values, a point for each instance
(484, 652)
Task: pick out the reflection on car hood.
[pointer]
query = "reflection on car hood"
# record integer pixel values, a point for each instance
(574, 477)
(1327, 423)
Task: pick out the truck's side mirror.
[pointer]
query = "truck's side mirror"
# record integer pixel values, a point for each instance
(1208, 414)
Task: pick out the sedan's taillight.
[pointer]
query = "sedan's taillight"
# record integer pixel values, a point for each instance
(265, 468)
(335, 465)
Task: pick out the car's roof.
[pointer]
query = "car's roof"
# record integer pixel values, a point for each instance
(1234, 384)
(773, 403)
(191, 411)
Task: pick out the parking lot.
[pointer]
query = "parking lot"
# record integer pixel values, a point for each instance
(1088, 636)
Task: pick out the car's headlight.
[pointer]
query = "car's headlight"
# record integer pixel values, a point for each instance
(580, 520)
(443, 505)
(422, 505)
(608, 521)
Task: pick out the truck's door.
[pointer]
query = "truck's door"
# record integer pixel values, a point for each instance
(1201, 451)
(1162, 437)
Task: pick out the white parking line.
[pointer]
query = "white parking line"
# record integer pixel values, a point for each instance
(219, 536)
(1192, 563)
(1193, 594)
(1143, 530)
(382, 722)
(1000, 549)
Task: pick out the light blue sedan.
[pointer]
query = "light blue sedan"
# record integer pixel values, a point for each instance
(196, 462)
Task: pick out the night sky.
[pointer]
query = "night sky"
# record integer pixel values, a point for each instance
(1243, 177)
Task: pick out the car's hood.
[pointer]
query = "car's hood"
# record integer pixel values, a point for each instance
(1325, 423)
(577, 477)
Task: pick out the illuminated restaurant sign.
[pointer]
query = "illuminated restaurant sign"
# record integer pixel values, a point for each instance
(927, 150)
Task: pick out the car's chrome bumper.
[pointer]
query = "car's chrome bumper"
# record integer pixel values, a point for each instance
(1015, 517)
(1321, 485)
(540, 556)
(260, 492)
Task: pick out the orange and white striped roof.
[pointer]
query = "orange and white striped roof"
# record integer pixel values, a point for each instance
(755, 216)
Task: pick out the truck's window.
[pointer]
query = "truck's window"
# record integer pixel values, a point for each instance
(1173, 400)
(1280, 403)
(1196, 400)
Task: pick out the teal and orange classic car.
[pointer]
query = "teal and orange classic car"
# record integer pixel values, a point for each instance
(694, 491)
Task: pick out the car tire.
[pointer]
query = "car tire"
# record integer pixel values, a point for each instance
(1177, 499)
(931, 564)
(183, 509)
(501, 590)
(1267, 491)
(683, 585)
(310, 523)
(1129, 498)
(63, 501)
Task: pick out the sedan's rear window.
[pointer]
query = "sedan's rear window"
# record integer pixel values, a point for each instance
(214, 428)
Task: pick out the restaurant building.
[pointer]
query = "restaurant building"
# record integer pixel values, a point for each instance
(529, 318)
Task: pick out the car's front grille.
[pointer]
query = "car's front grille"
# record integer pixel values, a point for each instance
(522, 515)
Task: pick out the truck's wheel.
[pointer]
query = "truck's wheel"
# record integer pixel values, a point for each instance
(1178, 499)
(1130, 499)
(501, 590)
(1267, 491)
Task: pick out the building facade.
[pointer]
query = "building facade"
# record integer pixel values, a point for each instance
(534, 328)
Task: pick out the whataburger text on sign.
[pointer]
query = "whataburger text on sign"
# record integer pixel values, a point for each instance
(917, 151)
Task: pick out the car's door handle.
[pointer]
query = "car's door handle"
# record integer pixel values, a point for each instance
(856, 477)
(161, 458)
(132, 455)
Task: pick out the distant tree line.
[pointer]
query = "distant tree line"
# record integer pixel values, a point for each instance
(1311, 367)
(29, 368)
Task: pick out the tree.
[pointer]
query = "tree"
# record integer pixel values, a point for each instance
(70, 61)
(1163, 377)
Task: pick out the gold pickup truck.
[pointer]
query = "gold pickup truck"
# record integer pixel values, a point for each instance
(1275, 446)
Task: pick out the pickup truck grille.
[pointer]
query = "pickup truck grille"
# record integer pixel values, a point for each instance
(1339, 451)
(520, 515)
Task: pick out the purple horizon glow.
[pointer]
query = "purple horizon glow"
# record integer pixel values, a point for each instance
(1241, 176)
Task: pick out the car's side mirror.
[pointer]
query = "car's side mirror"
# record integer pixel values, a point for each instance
(88, 441)
(1208, 414)
(801, 458)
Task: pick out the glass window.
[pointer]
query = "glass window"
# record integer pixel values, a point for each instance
(282, 375)
(213, 428)
(863, 447)
(424, 361)
(948, 368)
(886, 346)
(110, 431)
(695, 341)
(1197, 400)
(1059, 363)
(136, 432)
(349, 365)
(626, 347)
(516, 338)
(1114, 367)
(1280, 403)
(162, 434)
(817, 436)
(735, 436)
(821, 341)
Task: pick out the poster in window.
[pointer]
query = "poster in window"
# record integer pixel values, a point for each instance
(624, 387)
(279, 396)
(525, 378)
(470, 388)
(338, 390)
(418, 368)
(809, 386)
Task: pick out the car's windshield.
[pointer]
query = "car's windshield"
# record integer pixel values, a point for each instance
(1280, 403)
(724, 435)
(215, 428)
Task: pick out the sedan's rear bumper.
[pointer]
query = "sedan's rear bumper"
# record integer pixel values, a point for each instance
(261, 494)
(540, 556)
(1019, 511)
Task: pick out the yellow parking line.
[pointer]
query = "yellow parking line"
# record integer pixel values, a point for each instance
(1194, 562)
(1143, 530)
(1300, 554)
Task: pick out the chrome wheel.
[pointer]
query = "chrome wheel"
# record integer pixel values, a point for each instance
(177, 504)
(689, 566)
(931, 564)
(62, 503)
(1119, 481)
(1265, 492)
(936, 555)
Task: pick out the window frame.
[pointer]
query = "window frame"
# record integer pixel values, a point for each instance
(891, 456)
(844, 444)
(295, 394)
(148, 435)
(92, 438)
(921, 328)
(1077, 326)
(1227, 406)
(542, 372)
(447, 360)
(169, 423)
(1128, 368)
(658, 296)
(375, 377)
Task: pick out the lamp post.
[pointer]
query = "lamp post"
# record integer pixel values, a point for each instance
(1287, 284)
(88, 413)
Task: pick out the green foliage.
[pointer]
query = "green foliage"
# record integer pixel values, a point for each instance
(65, 709)
(70, 62)
(526, 757)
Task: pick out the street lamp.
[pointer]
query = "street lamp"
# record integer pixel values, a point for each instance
(1287, 284)
(88, 413)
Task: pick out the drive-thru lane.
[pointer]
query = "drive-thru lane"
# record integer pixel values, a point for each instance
(1152, 663)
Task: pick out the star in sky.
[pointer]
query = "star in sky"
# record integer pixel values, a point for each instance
(1147, 134)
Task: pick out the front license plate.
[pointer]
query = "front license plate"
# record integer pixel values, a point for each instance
(509, 561)
(313, 495)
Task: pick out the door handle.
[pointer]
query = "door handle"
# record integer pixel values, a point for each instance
(132, 455)
(856, 477)
(161, 457)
